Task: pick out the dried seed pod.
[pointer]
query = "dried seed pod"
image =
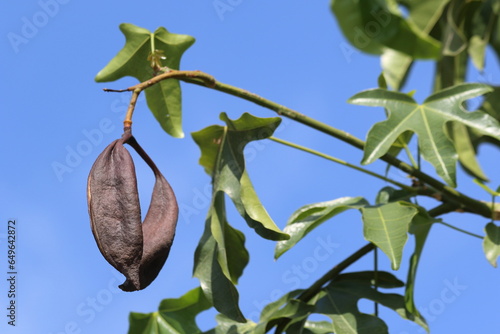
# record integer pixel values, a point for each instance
(115, 214)
(136, 250)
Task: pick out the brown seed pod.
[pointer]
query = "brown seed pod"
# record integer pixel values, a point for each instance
(137, 250)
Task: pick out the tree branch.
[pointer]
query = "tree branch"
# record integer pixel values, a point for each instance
(450, 194)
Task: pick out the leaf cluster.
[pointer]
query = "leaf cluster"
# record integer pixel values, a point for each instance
(453, 34)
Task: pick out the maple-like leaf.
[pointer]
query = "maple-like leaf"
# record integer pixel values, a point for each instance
(142, 49)
(428, 121)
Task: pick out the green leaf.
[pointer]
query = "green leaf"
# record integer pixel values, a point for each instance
(226, 325)
(395, 67)
(491, 243)
(419, 228)
(486, 188)
(173, 316)
(317, 327)
(459, 134)
(387, 227)
(232, 255)
(491, 103)
(223, 159)
(428, 121)
(389, 194)
(373, 25)
(340, 302)
(310, 216)
(164, 98)
(454, 39)
(424, 14)
(482, 26)
(219, 263)
(287, 307)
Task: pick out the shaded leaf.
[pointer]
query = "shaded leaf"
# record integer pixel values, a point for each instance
(219, 263)
(482, 25)
(419, 228)
(387, 226)
(491, 243)
(427, 120)
(223, 159)
(371, 26)
(286, 307)
(310, 216)
(454, 38)
(232, 255)
(340, 302)
(491, 103)
(164, 98)
(390, 194)
(173, 315)
(459, 134)
(424, 14)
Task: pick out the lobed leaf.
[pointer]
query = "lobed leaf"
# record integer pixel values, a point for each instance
(164, 98)
(428, 121)
(223, 159)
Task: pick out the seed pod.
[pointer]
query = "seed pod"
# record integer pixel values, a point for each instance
(137, 250)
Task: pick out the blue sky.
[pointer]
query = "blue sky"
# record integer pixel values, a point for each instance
(54, 113)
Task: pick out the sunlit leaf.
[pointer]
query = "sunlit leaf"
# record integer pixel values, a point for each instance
(164, 98)
(221, 257)
(223, 159)
(226, 325)
(173, 316)
(310, 216)
(396, 67)
(427, 120)
(387, 227)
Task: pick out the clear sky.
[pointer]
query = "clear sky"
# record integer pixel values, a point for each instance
(292, 52)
